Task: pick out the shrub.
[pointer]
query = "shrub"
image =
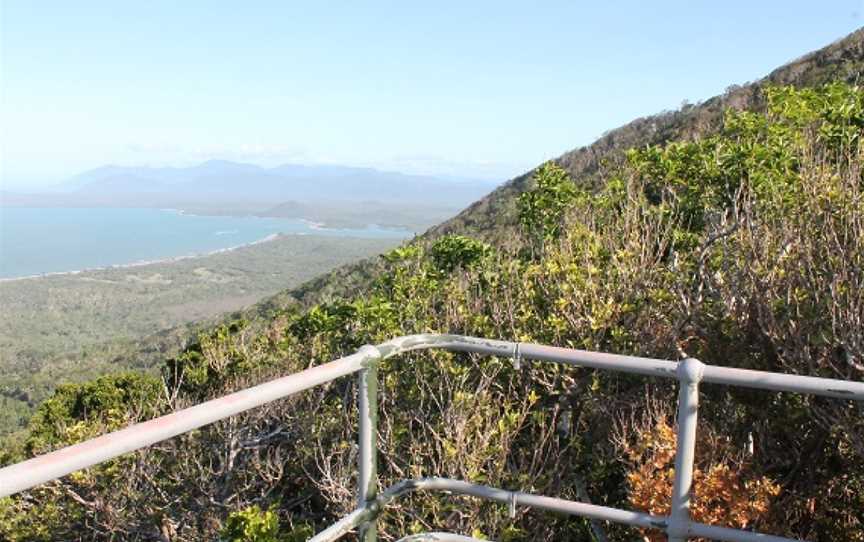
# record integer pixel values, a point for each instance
(457, 251)
(542, 209)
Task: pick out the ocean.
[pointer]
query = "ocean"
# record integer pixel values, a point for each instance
(36, 241)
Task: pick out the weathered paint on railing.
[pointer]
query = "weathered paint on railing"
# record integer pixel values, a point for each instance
(690, 372)
(439, 537)
(514, 498)
(677, 526)
(367, 468)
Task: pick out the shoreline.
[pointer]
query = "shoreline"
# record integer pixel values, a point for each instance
(142, 263)
(316, 225)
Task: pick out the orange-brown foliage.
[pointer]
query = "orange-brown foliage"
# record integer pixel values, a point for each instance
(725, 493)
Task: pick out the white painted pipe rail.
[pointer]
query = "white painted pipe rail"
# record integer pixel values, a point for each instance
(690, 373)
(439, 537)
(517, 499)
(53, 465)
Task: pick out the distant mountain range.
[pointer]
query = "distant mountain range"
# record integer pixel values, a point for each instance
(224, 183)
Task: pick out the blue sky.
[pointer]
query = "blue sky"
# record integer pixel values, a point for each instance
(481, 89)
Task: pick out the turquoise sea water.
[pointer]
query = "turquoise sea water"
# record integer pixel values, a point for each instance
(34, 241)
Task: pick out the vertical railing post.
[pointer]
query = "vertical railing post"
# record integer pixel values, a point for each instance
(368, 442)
(689, 375)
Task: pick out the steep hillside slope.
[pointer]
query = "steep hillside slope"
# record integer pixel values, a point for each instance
(843, 60)
(739, 241)
(493, 217)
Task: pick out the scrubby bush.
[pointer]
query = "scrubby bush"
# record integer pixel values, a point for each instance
(457, 251)
(542, 209)
(743, 248)
(255, 525)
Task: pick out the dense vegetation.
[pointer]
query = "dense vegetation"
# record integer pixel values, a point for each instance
(75, 327)
(741, 248)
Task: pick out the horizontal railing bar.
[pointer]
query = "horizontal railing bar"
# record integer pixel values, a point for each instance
(369, 511)
(838, 389)
(53, 465)
(551, 504)
(454, 343)
(600, 360)
(515, 498)
(50, 466)
(440, 537)
(827, 387)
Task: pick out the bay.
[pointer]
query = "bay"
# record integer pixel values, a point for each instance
(37, 241)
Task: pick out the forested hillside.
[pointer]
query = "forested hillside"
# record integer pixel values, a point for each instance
(731, 231)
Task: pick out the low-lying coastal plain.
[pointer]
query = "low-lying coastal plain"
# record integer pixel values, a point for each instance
(72, 326)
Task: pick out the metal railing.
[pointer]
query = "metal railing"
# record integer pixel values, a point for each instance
(678, 526)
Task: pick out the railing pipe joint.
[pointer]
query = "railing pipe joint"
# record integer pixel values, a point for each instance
(372, 356)
(690, 371)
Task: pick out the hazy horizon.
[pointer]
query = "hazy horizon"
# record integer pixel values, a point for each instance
(69, 183)
(408, 88)
(66, 182)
